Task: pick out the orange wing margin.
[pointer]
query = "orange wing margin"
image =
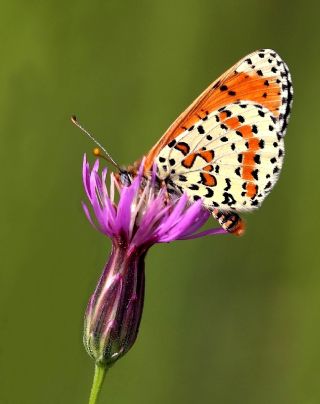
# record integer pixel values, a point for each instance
(232, 86)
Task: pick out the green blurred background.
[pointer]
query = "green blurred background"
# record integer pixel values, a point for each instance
(226, 320)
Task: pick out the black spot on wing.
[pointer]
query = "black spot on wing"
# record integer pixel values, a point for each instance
(255, 174)
(228, 199)
(257, 159)
(201, 130)
(228, 182)
(209, 193)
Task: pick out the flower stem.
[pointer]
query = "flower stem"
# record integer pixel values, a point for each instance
(99, 374)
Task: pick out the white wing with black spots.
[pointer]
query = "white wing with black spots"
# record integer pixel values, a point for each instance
(231, 159)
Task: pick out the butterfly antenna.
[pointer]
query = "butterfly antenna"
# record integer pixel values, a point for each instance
(96, 151)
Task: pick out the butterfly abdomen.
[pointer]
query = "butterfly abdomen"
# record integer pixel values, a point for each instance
(229, 221)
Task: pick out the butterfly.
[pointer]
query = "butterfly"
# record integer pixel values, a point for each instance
(227, 147)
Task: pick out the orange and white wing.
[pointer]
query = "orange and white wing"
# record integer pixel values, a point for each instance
(227, 147)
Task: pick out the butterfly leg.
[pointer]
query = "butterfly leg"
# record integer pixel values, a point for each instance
(229, 221)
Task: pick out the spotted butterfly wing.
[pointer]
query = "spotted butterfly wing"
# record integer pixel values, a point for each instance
(227, 148)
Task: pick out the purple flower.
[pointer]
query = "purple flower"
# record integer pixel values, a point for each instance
(134, 217)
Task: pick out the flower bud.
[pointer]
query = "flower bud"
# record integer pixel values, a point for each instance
(114, 311)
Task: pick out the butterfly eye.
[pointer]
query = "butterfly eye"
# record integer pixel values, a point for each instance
(125, 178)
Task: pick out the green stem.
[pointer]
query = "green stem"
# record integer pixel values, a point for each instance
(99, 374)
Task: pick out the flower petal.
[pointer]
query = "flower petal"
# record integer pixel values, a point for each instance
(86, 176)
(210, 232)
(87, 213)
(125, 206)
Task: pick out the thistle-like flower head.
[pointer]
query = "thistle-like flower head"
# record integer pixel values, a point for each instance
(134, 217)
